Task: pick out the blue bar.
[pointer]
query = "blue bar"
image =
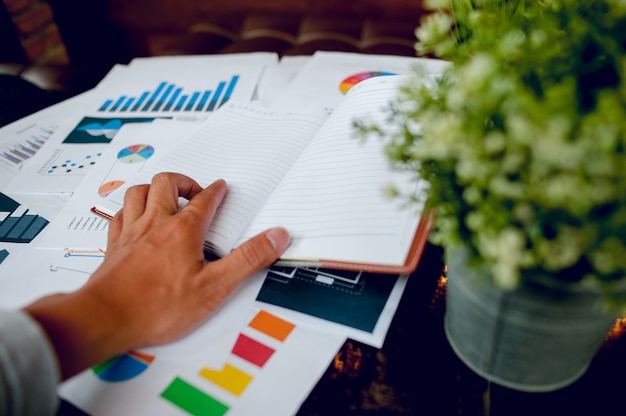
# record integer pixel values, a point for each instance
(6, 226)
(203, 100)
(34, 229)
(216, 96)
(106, 105)
(158, 105)
(192, 101)
(140, 101)
(3, 255)
(21, 226)
(128, 104)
(181, 102)
(154, 96)
(229, 90)
(173, 99)
(118, 103)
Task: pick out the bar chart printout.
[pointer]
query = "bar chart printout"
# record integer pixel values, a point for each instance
(230, 378)
(18, 152)
(168, 97)
(17, 223)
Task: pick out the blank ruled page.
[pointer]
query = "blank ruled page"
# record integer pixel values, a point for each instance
(332, 199)
(251, 148)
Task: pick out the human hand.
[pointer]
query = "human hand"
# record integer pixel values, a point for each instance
(154, 284)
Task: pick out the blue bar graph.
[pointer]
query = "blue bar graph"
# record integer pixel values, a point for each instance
(168, 97)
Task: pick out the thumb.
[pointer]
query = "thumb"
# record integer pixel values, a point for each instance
(255, 254)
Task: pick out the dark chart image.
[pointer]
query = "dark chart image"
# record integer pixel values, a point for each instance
(354, 299)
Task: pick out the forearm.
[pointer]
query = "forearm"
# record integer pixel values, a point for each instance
(80, 329)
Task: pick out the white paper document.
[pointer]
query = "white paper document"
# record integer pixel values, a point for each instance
(328, 76)
(191, 89)
(135, 146)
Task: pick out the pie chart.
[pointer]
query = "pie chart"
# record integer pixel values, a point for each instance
(123, 367)
(352, 80)
(136, 153)
(106, 188)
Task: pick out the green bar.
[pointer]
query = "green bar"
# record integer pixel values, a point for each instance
(194, 401)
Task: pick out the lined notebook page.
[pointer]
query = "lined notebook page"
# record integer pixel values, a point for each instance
(251, 148)
(332, 199)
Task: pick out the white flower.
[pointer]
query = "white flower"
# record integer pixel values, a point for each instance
(505, 250)
(434, 35)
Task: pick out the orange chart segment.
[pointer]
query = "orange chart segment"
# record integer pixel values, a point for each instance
(271, 325)
(108, 187)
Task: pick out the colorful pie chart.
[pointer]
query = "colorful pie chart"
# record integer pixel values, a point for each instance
(352, 80)
(136, 153)
(123, 367)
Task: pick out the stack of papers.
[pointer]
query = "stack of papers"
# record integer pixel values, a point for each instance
(265, 349)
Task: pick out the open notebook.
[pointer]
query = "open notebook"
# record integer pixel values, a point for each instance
(310, 173)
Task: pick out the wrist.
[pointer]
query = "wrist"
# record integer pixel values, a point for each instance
(80, 329)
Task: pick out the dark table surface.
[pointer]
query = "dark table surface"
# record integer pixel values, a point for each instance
(417, 373)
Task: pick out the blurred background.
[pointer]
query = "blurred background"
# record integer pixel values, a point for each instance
(64, 47)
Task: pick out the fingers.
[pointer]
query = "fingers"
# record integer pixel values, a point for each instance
(159, 201)
(135, 202)
(165, 190)
(203, 205)
(252, 256)
(161, 196)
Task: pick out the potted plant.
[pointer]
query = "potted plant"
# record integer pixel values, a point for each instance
(523, 144)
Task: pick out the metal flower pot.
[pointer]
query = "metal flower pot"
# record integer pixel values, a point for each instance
(530, 339)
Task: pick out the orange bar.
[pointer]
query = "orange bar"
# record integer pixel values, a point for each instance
(271, 325)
